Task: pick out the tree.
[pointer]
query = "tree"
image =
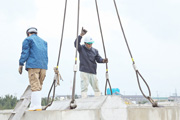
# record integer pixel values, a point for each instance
(8, 102)
(44, 101)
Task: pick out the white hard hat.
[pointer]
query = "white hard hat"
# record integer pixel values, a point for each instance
(88, 39)
(31, 30)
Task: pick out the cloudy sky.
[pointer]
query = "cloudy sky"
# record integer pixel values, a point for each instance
(152, 29)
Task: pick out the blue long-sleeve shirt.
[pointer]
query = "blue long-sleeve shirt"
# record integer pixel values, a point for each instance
(88, 58)
(34, 53)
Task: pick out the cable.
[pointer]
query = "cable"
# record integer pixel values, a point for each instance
(72, 103)
(154, 104)
(55, 80)
(107, 75)
(54, 90)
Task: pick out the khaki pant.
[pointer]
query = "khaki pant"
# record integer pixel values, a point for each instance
(36, 78)
(87, 78)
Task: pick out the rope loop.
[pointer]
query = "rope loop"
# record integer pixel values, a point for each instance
(72, 103)
(55, 80)
(107, 78)
(134, 66)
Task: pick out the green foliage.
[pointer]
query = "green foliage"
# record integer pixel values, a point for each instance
(44, 101)
(142, 102)
(76, 96)
(8, 102)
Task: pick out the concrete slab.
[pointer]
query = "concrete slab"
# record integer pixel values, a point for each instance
(149, 113)
(4, 114)
(100, 108)
(42, 115)
(87, 103)
(81, 115)
(114, 108)
(113, 102)
(113, 114)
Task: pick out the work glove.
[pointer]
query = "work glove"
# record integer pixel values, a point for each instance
(56, 71)
(20, 69)
(105, 60)
(83, 32)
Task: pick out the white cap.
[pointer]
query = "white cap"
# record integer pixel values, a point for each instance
(32, 30)
(88, 39)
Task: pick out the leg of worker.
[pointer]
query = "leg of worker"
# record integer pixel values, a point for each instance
(84, 84)
(42, 76)
(94, 83)
(35, 87)
(34, 79)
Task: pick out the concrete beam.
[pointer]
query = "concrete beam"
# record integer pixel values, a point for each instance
(100, 108)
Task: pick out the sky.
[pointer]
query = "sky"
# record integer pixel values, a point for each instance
(152, 29)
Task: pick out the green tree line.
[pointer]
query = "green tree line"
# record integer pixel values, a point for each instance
(8, 102)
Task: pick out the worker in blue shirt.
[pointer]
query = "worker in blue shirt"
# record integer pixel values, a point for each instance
(89, 57)
(34, 54)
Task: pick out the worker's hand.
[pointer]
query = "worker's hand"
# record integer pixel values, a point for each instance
(105, 60)
(83, 32)
(20, 69)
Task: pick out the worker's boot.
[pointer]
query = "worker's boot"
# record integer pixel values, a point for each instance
(38, 106)
(31, 107)
(97, 94)
(35, 101)
(83, 94)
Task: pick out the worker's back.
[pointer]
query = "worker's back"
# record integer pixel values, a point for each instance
(34, 52)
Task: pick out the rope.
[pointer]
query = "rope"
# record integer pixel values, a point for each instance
(107, 76)
(55, 78)
(62, 33)
(52, 86)
(154, 104)
(72, 103)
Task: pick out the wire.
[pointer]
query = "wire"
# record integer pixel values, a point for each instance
(154, 104)
(107, 76)
(60, 46)
(72, 103)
